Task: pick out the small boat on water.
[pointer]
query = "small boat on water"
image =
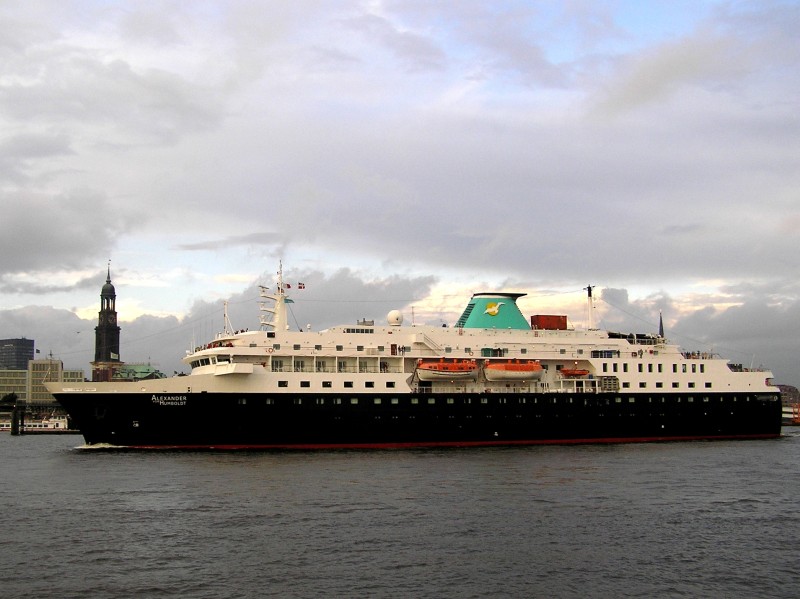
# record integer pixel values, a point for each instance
(52, 424)
(791, 414)
(434, 370)
(513, 370)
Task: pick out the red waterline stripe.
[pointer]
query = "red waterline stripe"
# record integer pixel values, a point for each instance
(431, 444)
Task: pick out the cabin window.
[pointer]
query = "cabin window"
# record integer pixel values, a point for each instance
(414, 400)
(484, 400)
(626, 385)
(395, 401)
(625, 367)
(659, 385)
(617, 400)
(605, 367)
(376, 401)
(327, 384)
(691, 385)
(277, 365)
(370, 384)
(708, 385)
(269, 401)
(283, 383)
(702, 367)
(524, 350)
(675, 385)
(339, 347)
(614, 367)
(562, 351)
(390, 384)
(450, 400)
(318, 347)
(641, 367)
(297, 401)
(296, 347)
(694, 368)
(276, 346)
(660, 368)
(305, 383)
(649, 368)
(348, 384)
(642, 385)
(683, 368)
(431, 400)
(674, 368)
(242, 401)
(353, 400)
(448, 350)
(359, 348)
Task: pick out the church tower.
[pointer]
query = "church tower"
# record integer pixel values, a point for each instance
(106, 344)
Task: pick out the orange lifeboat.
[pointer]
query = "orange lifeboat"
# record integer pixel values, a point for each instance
(513, 370)
(573, 372)
(429, 370)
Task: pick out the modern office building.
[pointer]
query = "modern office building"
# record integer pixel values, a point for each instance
(15, 353)
(28, 384)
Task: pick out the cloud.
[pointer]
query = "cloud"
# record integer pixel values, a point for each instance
(43, 232)
(647, 150)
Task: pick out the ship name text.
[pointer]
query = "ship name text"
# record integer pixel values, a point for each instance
(169, 400)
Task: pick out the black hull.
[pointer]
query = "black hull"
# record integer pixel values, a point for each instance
(208, 420)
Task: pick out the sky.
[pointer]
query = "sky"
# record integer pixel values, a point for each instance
(400, 155)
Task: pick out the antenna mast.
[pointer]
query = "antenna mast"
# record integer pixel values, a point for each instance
(590, 307)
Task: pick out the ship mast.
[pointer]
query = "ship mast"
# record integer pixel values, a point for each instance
(590, 307)
(274, 318)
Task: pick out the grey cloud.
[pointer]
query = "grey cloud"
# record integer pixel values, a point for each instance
(415, 51)
(268, 239)
(50, 232)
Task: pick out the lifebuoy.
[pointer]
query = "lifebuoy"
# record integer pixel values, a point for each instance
(270, 350)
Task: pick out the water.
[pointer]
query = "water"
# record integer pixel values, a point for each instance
(705, 519)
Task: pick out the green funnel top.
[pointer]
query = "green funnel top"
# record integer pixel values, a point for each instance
(493, 311)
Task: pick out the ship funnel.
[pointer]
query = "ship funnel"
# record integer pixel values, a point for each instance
(493, 311)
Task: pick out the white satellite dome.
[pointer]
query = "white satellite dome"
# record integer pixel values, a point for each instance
(395, 318)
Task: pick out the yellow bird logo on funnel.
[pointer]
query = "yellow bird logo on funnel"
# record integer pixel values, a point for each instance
(492, 308)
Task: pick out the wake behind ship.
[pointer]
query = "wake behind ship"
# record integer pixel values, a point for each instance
(495, 378)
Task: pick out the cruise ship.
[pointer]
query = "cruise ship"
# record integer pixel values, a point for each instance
(495, 378)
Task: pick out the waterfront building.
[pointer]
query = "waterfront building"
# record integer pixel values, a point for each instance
(15, 353)
(106, 347)
(28, 384)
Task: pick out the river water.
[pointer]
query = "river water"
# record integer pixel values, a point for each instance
(694, 519)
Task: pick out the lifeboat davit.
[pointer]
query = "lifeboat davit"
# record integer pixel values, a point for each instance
(446, 370)
(513, 370)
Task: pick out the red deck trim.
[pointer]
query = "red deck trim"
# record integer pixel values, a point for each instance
(433, 444)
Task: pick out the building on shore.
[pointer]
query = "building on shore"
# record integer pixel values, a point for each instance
(15, 353)
(106, 347)
(28, 385)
